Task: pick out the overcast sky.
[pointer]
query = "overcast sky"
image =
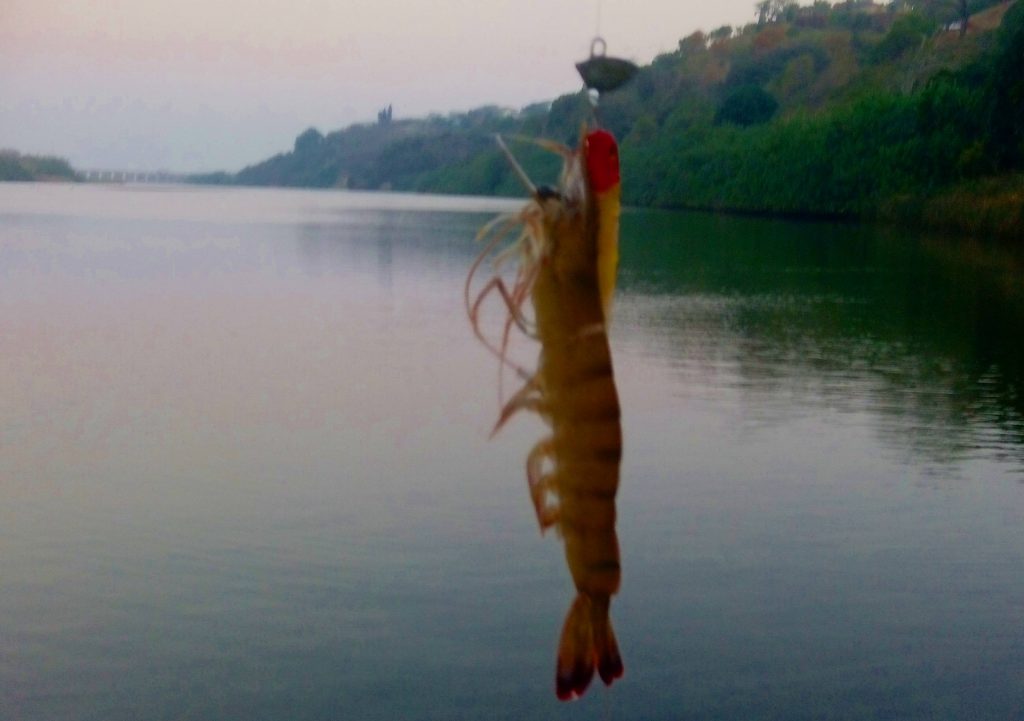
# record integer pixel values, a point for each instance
(217, 84)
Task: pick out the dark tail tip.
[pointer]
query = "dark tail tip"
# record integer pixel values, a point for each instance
(609, 661)
(610, 668)
(571, 683)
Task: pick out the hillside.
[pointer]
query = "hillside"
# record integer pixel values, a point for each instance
(852, 109)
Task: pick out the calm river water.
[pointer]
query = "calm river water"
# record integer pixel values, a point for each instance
(245, 472)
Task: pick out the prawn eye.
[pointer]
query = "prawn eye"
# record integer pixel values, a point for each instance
(602, 160)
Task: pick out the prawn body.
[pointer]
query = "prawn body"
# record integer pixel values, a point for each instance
(568, 253)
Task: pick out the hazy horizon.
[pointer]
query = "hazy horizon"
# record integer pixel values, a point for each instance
(200, 86)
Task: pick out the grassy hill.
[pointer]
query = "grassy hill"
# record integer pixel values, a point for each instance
(853, 109)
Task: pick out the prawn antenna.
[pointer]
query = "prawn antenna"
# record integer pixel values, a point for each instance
(517, 168)
(559, 149)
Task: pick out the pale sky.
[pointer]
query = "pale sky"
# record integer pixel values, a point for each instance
(217, 84)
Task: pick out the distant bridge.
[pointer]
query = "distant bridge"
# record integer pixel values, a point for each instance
(131, 176)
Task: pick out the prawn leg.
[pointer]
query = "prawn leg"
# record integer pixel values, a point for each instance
(542, 484)
(526, 398)
(514, 305)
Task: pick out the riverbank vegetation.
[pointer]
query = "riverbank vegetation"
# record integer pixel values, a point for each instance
(911, 111)
(17, 167)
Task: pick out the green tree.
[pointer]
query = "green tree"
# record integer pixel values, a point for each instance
(1006, 93)
(747, 105)
(309, 141)
(909, 31)
(771, 11)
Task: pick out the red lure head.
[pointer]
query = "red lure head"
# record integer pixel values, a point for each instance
(602, 160)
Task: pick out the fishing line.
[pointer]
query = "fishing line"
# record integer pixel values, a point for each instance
(607, 706)
(591, 99)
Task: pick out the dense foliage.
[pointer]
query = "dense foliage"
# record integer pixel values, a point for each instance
(852, 156)
(846, 109)
(15, 166)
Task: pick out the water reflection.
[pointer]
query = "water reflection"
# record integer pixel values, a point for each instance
(838, 316)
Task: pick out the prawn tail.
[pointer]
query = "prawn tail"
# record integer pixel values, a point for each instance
(609, 661)
(587, 643)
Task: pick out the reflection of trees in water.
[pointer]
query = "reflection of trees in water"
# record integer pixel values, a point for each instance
(920, 335)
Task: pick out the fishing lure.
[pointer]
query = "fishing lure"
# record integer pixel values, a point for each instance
(567, 252)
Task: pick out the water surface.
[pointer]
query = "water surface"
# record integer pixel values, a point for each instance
(244, 469)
